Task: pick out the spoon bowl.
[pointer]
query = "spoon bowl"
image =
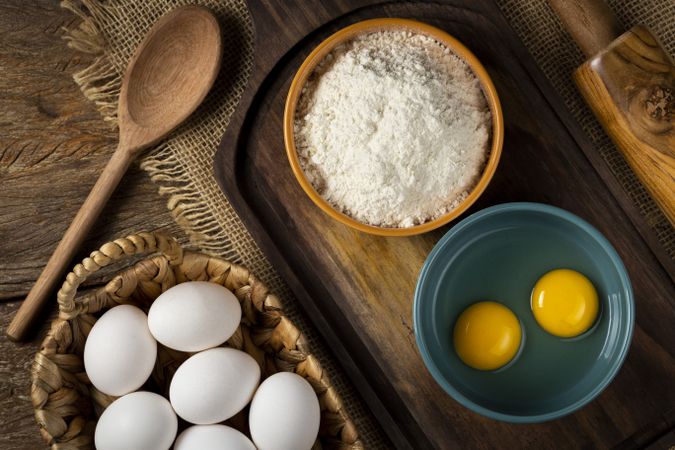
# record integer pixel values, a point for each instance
(170, 74)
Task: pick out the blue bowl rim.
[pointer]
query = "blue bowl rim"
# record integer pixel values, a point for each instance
(561, 214)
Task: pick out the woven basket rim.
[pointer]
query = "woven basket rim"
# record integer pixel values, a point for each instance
(62, 396)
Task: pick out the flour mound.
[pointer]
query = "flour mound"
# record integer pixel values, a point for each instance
(392, 129)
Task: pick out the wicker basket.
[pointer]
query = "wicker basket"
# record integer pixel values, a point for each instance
(67, 405)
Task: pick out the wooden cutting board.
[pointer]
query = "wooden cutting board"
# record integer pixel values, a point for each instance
(357, 288)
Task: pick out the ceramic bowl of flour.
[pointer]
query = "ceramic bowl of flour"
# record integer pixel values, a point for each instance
(393, 127)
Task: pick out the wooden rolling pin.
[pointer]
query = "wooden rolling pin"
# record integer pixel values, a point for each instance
(629, 83)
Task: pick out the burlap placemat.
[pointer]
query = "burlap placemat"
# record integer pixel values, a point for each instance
(182, 165)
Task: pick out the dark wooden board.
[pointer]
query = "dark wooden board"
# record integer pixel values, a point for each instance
(358, 288)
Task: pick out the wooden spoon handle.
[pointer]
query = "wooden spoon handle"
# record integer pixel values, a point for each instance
(590, 23)
(70, 243)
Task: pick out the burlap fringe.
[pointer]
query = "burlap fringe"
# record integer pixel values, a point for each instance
(100, 83)
(187, 206)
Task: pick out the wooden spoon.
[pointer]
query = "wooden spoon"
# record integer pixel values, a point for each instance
(167, 78)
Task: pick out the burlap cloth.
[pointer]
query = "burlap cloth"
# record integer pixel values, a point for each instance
(182, 165)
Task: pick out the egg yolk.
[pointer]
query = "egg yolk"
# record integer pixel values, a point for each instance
(487, 335)
(564, 303)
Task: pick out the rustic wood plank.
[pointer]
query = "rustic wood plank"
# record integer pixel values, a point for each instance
(653, 432)
(53, 145)
(665, 442)
(37, 205)
(358, 288)
(181, 53)
(18, 429)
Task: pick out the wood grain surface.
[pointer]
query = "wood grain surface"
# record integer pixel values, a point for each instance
(53, 145)
(358, 288)
(630, 86)
(168, 76)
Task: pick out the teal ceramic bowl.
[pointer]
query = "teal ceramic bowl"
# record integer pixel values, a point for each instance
(498, 254)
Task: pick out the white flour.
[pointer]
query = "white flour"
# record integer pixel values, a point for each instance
(392, 129)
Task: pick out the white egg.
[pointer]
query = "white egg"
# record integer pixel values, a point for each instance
(120, 352)
(212, 437)
(284, 414)
(140, 420)
(194, 316)
(213, 385)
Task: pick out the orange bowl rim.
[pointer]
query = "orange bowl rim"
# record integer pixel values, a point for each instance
(372, 25)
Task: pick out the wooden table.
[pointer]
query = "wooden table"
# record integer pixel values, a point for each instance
(52, 146)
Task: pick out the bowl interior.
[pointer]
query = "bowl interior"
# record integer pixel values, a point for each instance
(369, 26)
(498, 254)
